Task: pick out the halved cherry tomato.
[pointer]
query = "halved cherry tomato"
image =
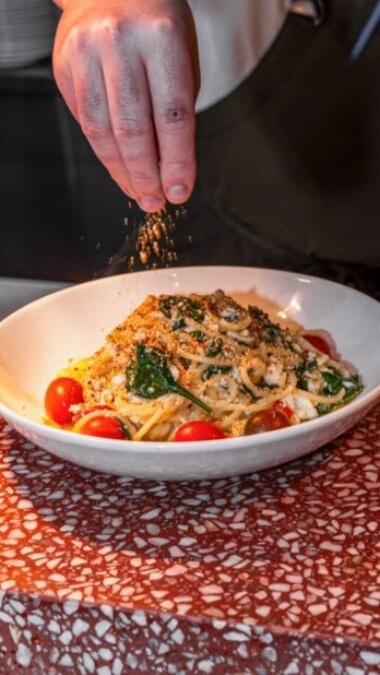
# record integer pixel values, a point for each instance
(198, 431)
(318, 342)
(266, 420)
(86, 410)
(61, 394)
(104, 426)
(285, 409)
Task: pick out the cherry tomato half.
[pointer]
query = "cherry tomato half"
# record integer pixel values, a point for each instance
(85, 411)
(104, 426)
(62, 393)
(318, 342)
(198, 431)
(285, 409)
(266, 420)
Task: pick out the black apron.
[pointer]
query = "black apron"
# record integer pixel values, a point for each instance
(289, 163)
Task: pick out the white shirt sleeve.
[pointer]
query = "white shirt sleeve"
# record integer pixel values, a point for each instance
(233, 35)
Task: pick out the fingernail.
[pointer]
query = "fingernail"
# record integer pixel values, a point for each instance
(151, 203)
(177, 192)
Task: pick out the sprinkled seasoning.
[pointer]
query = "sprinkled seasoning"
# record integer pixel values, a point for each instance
(150, 241)
(155, 239)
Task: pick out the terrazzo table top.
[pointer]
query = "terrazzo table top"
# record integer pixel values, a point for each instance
(276, 572)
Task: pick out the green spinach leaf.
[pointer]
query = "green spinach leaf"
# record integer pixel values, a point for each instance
(150, 377)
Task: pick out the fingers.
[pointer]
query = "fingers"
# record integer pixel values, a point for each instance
(171, 80)
(95, 118)
(132, 122)
(150, 94)
(130, 84)
(82, 83)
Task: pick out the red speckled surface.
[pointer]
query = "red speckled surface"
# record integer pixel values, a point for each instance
(277, 572)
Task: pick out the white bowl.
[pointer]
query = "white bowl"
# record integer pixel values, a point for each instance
(39, 340)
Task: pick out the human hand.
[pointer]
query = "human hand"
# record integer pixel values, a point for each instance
(128, 71)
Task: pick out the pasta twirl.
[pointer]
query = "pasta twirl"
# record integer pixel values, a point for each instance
(178, 359)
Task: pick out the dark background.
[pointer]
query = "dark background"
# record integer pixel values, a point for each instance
(61, 216)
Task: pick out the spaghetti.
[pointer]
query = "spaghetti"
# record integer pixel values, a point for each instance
(179, 359)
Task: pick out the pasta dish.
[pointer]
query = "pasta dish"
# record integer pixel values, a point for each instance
(203, 362)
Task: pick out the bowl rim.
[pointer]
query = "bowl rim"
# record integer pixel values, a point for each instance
(366, 400)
